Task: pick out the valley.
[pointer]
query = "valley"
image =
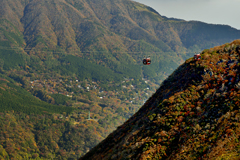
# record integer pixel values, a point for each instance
(71, 71)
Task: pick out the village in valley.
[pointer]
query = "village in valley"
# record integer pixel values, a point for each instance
(92, 100)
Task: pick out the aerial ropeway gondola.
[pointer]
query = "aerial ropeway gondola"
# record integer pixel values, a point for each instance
(197, 57)
(147, 61)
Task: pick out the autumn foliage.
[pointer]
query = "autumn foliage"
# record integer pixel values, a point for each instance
(193, 115)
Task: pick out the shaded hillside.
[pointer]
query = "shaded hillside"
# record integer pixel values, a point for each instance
(109, 33)
(193, 115)
(14, 97)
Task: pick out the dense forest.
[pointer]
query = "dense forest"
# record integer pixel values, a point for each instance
(193, 115)
(53, 107)
(94, 39)
(35, 136)
(71, 71)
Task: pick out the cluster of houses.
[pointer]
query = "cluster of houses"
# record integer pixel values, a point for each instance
(73, 87)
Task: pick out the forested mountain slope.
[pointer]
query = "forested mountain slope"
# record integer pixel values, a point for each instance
(194, 114)
(113, 33)
(14, 97)
(74, 67)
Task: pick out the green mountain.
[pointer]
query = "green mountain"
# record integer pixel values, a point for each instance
(68, 59)
(113, 34)
(14, 97)
(193, 115)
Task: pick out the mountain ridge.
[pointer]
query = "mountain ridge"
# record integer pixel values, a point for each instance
(123, 30)
(87, 56)
(192, 114)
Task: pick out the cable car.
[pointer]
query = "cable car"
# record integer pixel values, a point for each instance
(197, 57)
(147, 61)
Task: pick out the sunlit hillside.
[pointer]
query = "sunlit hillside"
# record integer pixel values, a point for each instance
(71, 71)
(193, 115)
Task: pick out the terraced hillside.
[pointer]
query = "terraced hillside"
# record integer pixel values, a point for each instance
(195, 114)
